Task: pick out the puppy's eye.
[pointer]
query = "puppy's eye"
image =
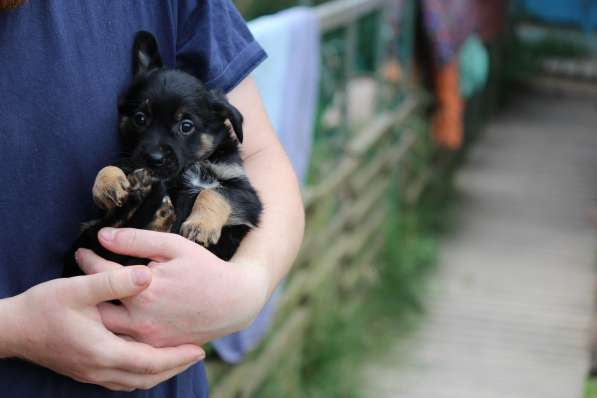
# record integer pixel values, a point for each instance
(140, 119)
(186, 126)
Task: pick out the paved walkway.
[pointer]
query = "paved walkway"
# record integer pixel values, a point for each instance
(511, 305)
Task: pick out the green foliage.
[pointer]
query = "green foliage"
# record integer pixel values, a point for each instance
(255, 8)
(252, 9)
(522, 59)
(554, 46)
(408, 256)
(519, 65)
(590, 389)
(367, 36)
(334, 347)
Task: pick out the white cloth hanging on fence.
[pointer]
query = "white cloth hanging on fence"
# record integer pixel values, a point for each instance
(288, 81)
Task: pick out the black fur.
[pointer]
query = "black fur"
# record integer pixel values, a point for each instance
(181, 135)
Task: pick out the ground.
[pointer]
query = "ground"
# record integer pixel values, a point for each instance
(511, 304)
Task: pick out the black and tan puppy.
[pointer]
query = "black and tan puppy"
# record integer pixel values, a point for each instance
(181, 171)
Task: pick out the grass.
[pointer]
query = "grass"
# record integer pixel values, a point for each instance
(590, 388)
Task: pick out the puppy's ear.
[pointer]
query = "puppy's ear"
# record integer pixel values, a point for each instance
(228, 111)
(146, 53)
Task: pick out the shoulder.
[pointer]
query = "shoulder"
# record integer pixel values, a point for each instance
(215, 43)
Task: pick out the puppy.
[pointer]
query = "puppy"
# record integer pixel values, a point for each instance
(181, 171)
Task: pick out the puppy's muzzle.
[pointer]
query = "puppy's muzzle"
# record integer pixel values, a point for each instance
(155, 158)
(162, 160)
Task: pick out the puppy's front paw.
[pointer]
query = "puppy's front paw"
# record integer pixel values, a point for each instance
(164, 217)
(111, 187)
(140, 181)
(202, 230)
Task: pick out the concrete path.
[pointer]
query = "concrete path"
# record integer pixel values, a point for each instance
(512, 301)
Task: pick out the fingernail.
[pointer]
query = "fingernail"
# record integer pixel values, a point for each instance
(108, 234)
(141, 276)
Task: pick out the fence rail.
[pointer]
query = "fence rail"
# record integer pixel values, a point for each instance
(343, 13)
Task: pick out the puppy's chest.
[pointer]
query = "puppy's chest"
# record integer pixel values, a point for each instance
(199, 177)
(210, 175)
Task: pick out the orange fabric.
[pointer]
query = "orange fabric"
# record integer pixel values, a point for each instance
(448, 129)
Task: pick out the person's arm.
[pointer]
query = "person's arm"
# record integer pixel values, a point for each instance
(195, 296)
(276, 242)
(56, 324)
(8, 329)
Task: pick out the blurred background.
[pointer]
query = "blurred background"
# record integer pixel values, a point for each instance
(447, 150)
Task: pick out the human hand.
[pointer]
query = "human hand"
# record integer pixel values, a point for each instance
(57, 325)
(194, 296)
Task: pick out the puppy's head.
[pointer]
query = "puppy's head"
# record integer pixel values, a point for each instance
(168, 119)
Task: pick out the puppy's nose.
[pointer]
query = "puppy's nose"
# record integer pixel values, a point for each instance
(155, 158)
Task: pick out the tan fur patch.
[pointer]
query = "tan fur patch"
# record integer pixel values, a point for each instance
(210, 213)
(110, 188)
(207, 145)
(164, 218)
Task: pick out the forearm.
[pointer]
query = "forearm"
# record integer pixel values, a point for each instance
(276, 242)
(8, 328)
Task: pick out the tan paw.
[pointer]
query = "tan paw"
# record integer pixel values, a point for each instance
(201, 230)
(110, 188)
(165, 216)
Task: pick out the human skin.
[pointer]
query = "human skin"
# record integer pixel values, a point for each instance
(57, 325)
(194, 296)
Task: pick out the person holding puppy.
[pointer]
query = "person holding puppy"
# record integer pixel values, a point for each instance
(63, 65)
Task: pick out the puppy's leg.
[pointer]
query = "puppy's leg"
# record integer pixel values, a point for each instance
(140, 182)
(164, 217)
(238, 192)
(246, 206)
(110, 189)
(210, 213)
(140, 187)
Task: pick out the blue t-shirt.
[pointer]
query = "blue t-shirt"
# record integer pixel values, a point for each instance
(62, 65)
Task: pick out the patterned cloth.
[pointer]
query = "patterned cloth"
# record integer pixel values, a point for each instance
(448, 23)
(448, 128)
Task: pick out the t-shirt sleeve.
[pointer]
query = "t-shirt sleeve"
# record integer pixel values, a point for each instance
(215, 44)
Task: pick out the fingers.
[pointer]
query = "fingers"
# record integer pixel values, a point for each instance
(144, 359)
(157, 246)
(119, 380)
(116, 318)
(135, 365)
(91, 263)
(111, 285)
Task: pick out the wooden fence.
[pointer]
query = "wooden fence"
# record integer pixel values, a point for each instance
(354, 163)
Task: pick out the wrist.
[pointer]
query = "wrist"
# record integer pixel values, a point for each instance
(10, 326)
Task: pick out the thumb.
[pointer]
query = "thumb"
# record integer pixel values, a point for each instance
(111, 285)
